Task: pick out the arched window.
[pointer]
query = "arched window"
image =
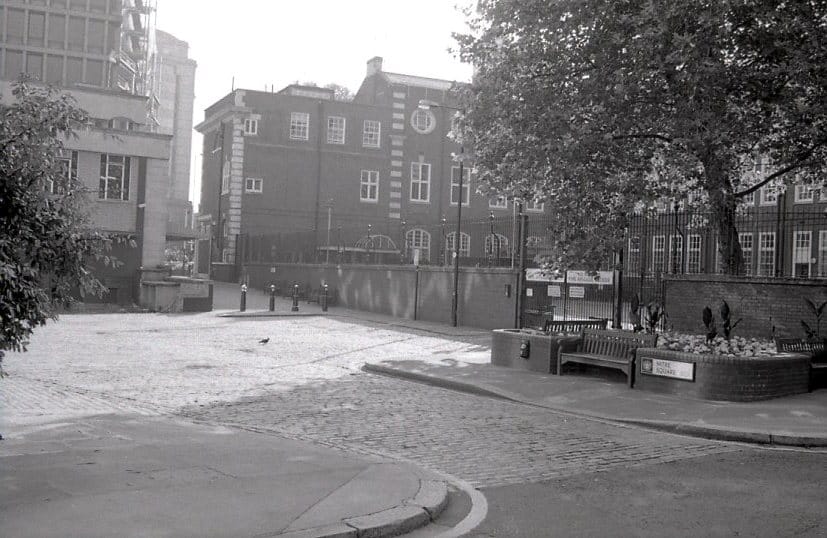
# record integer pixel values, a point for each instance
(497, 245)
(464, 245)
(418, 240)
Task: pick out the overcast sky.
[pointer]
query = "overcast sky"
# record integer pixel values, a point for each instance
(277, 42)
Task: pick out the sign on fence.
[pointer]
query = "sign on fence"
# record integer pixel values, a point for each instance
(572, 277)
(577, 292)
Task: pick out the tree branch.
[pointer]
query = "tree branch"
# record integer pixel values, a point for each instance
(654, 136)
(778, 173)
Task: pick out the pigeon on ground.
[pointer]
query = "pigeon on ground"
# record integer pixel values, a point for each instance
(264, 340)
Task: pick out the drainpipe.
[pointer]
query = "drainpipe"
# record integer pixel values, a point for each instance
(316, 208)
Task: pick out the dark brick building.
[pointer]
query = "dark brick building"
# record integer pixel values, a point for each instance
(298, 160)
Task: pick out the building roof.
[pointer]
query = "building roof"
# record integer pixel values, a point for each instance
(422, 82)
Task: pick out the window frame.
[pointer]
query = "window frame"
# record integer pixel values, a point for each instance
(762, 250)
(369, 179)
(661, 251)
(250, 127)
(693, 253)
(420, 182)
(534, 206)
(504, 204)
(464, 244)
(430, 124)
(107, 177)
(466, 185)
(368, 134)
(488, 245)
(300, 126)
(769, 195)
(800, 191)
(339, 141)
(424, 243)
(253, 190)
(798, 250)
(750, 248)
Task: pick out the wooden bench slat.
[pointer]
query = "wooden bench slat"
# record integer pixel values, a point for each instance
(611, 349)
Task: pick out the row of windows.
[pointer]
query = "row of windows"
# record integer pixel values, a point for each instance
(420, 187)
(418, 240)
(95, 6)
(114, 176)
(50, 68)
(300, 129)
(60, 31)
(666, 255)
(804, 194)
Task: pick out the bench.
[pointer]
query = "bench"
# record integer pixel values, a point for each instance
(816, 350)
(534, 318)
(574, 325)
(611, 349)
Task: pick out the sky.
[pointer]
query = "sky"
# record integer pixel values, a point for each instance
(254, 44)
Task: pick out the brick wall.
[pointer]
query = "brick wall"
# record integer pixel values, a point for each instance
(738, 379)
(407, 292)
(761, 302)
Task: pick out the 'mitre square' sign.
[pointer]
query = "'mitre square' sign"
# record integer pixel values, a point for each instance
(664, 368)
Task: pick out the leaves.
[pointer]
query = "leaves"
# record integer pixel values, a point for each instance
(595, 107)
(45, 237)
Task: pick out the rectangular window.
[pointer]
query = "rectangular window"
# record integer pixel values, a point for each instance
(746, 248)
(822, 253)
(94, 72)
(748, 200)
(633, 259)
(76, 33)
(802, 252)
(335, 130)
(114, 181)
(74, 70)
(769, 195)
(250, 127)
(57, 31)
(370, 134)
(96, 36)
(54, 69)
(804, 194)
(15, 26)
(68, 172)
(37, 29)
(34, 65)
(225, 178)
(766, 254)
(675, 253)
(253, 185)
(299, 126)
(420, 182)
(658, 253)
(369, 186)
(466, 185)
(534, 205)
(693, 254)
(500, 202)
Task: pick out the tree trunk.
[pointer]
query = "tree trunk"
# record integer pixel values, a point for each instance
(722, 203)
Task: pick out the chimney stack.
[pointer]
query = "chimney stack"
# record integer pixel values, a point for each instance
(374, 65)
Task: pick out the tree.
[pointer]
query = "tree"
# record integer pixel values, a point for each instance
(602, 107)
(340, 93)
(46, 242)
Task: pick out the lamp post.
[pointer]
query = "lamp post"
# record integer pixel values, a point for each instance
(403, 250)
(444, 244)
(425, 104)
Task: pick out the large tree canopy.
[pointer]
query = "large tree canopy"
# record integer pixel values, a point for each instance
(45, 239)
(599, 106)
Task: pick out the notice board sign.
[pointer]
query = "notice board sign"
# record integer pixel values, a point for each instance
(577, 292)
(665, 368)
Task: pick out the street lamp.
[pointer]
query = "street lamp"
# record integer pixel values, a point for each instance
(426, 104)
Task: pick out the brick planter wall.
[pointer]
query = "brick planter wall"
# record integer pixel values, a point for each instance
(736, 379)
(505, 350)
(761, 302)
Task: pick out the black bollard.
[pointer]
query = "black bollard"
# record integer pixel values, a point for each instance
(243, 297)
(324, 299)
(295, 307)
(272, 297)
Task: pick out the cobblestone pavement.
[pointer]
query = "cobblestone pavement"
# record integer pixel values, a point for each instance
(485, 441)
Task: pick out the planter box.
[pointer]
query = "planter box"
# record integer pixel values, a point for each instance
(716, 377)
(507, 345)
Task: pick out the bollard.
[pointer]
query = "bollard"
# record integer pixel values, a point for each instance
(272, 297)
(295, 307)
(243, 297)
(324, 299)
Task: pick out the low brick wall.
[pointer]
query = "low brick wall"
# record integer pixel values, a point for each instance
(736, 379)
(506, 346)
(763, 303)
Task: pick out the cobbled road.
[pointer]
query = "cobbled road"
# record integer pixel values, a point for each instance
(485, 441)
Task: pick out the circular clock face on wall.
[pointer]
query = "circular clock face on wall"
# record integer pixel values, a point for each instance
(423, 121)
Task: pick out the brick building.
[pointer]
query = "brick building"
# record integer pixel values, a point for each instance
(102, 53)
(378, 166)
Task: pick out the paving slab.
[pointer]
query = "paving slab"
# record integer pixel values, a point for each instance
(130, 475)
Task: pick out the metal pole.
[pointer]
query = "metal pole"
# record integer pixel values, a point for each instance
(455, 301)
(272, 297)
(295, 307)
(324, 298)
(327, 250)
(243, 305)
